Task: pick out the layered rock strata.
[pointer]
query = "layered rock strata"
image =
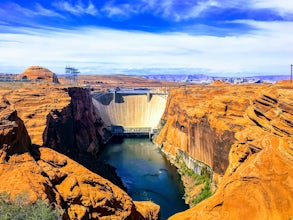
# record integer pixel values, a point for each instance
(62, 119)
(43, 173)
(72, 129)
(244, 133)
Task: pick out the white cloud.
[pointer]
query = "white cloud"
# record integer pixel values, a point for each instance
(98, 50)
(283, 6)
(77, 9)
(40, 10)
(13, 12)
(171, 9)
(196, 10)
(124, 10)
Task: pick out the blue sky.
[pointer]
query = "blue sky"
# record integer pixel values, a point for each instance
(216, 37)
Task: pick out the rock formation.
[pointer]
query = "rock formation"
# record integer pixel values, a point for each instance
(244, 133)
(33, 102)
(14, 138)
(72, 129)
(38, 73)
(55, 117)
(46, 174)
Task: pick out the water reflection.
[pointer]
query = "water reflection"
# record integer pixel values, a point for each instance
(146, 173)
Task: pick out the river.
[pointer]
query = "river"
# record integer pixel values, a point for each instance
(146, 173)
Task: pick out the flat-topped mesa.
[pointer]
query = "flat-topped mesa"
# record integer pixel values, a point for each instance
(39, 74)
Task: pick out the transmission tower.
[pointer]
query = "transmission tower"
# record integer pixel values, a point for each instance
(291, 73)
(71, 74)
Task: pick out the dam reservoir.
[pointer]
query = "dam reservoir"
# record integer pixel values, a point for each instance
(143, 168)
(146, 173)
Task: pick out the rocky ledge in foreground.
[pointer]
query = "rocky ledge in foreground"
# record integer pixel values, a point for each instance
(45, 174)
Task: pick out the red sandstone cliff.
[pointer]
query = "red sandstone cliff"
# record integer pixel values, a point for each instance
(72, 130)
(245, 134)
(48, 112)
(46, 174)
(14, 138)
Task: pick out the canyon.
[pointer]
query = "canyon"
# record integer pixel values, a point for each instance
(241, 133)
(59, 118)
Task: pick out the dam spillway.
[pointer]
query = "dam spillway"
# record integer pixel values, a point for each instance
(130, 111)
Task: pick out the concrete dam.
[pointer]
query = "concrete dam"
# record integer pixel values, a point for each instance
(131, 111)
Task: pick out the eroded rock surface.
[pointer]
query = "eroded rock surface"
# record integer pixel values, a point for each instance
(244, 133)
(14, 138)
(54, 119)
(44, 173)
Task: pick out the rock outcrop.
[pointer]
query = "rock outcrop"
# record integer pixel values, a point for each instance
(244, 133)
(53, 118)
(33, 102)
(201, 121)
(38, 73)
(14, 138)
(72, 130)
(44, 173)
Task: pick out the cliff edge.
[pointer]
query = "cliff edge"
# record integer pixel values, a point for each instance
(244, 134)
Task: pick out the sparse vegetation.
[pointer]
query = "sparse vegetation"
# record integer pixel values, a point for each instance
(203, 178)
(21, 209)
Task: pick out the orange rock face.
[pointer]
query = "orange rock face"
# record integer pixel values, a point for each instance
(59, 118)
(38, 73)
(33, 102)
(244, 133)
(72, 130)
(14, 138)
(46, 174)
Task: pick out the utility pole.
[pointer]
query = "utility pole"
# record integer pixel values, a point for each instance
(291, 73)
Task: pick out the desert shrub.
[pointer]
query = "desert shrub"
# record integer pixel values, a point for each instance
(21, 209)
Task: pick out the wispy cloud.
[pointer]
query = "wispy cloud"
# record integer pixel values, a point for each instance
(170, 9)
(15, 13)
(77, 9)
(14, 9)
(283, 6)
(123, 10)
(99, 50)
(227, 43)
(195, 11)
(41, 11)
(183, 10)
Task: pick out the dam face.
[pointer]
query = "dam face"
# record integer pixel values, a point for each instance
(130, 111)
